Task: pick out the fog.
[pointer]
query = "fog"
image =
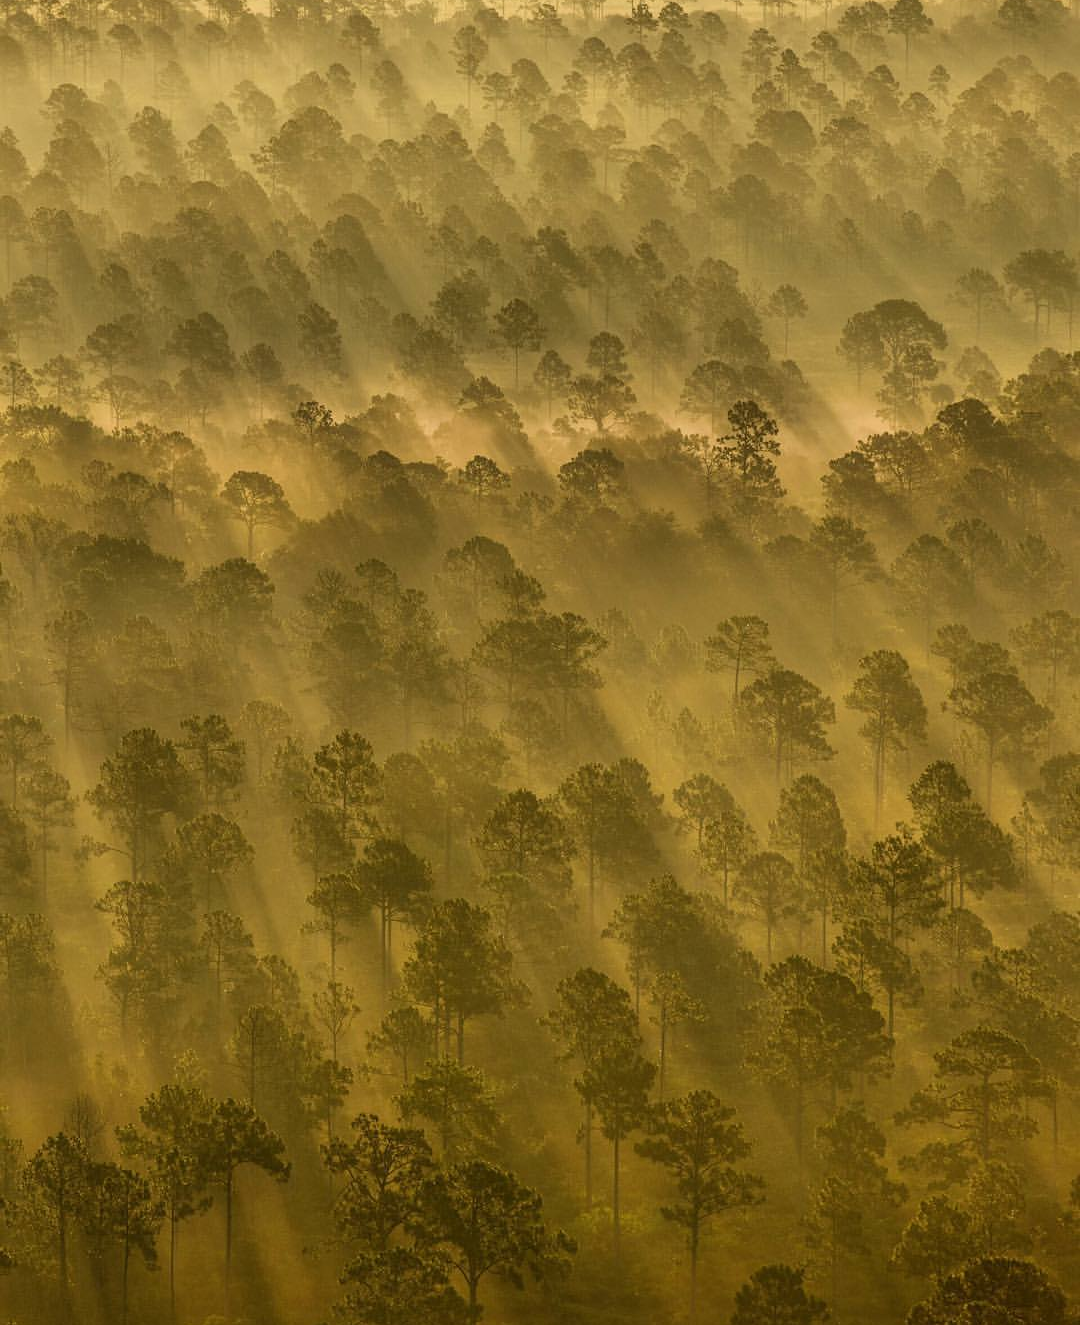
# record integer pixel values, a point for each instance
(539, 654)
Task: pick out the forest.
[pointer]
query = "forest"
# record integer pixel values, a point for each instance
(539, 662)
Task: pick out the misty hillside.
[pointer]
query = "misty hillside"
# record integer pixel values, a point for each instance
(539, 663)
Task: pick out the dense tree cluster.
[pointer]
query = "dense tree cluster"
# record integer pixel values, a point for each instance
(539, 654)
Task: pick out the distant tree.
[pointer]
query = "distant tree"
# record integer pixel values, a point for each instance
(1003, 710)
(207, 850)
(817, 1032)
(937, 1240)
(152, 136)
(400, 1286)
(262, 365)
(790, 712)
(358, 34)
(897, 885)
(740, 645)
(58, 1176)
(47, 805)
(461, 969)
(1052, 641)
(593, 477)
(657, 925)
(708, 389)
(846, 553)
(338, 902)
(457, 1101)
(979, 291)
(215, 757)
(229, 952)
(929, 577)
(971, 852)
(553, 376)
(486, 1221)
(546, 21)
(23, 744)
(236, 598)
(599, 400)
(484, 477)
(592, 1016)
(774, 1295)
(674, 1006)
(766, 884)
(1013, 1290)
(1043, 277)
(396, 882)
(808, 823)
(470, 52)
(787, 303)
(899, 337)
(729, 842)
(982, 1082)
(15, 855)
(526, 847)
(747, 452)
(345, 776)
(62, 380)
(69, 639)
(34, 539)
(202, 343)
(939, 81)
(256, 500)
(404, 1034)
(908, 18)
(894, 711)
(264, 725)
(595, 62)
(174, 1123)
(701, 801)
(319, 338)
(856, 1190)
(389, 88)
(607, 825)
(518, 326)
(139, 785)
(695, 1140)
(237, 1136)
(120, 1212)
(383, 1168)
(460, 307)
(618, 1084)
(31, 308)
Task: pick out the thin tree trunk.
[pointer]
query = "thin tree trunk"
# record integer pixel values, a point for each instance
(228, 1237)
(663, 1052)
(172, 1261)
(615, 1224)
(588, 1154)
